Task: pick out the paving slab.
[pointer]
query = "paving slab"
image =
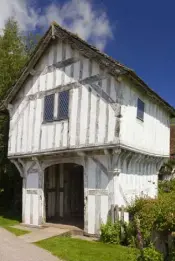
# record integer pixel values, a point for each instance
(12, 248)
(26, 228)
(43, 233)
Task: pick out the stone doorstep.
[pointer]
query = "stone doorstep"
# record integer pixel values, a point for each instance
(27, 228)
(48, 230)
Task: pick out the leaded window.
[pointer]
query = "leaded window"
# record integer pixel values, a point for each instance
(140, 109)
(49, 108)
(63, 105)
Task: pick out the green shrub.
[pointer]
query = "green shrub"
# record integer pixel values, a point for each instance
(155, 214)
(130, 235)
(172, 255)
(150, 254)
(110, 233)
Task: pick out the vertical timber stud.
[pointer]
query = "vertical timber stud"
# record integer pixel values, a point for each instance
(63, 58)
(61, 189)
(86, 195)
(53, 86)
(79, 105)
(22, 124)
(69, 118)
(112, 214)
(46, 83)
(70, 101)
(98, 201)
(62, 132)
(108, 91)
(97, 119)
(89, 104)
(33, 120)
(41, 195)
(116, 213)
(111, 182)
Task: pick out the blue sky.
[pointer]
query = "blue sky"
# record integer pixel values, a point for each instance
(144, 39)
(142, 31)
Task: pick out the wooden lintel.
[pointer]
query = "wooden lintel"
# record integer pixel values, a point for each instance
(59, 88)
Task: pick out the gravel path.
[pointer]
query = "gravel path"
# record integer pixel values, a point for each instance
(15, 249)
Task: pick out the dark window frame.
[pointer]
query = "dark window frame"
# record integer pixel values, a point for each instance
(140, 109)
(61, 106)
(46, 104)
(61, 111)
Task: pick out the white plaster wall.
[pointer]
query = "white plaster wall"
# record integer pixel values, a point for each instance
(98, 205)
(136, 179)
(91, 119)
(153, 134)
(31, 199)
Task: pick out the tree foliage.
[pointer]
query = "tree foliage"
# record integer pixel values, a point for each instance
(13, 56)
(15, 49)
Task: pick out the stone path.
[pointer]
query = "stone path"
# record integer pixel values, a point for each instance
(38, 234)
(13, 248)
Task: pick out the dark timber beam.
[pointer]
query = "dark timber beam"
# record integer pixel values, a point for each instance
(89, 81)
(66, 62)
(92, 79)
(58, 65)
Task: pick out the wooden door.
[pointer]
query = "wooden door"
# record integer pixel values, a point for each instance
(51, 195)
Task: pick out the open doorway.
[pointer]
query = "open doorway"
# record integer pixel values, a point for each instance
(64, 194)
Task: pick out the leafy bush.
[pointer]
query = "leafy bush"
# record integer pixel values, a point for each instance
(144, 209)
(172, 256)
(150, 254)
(110, 233)
(155, 214)
(130, 235)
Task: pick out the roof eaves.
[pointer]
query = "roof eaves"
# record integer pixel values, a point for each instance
(108, 61)
(151, 93)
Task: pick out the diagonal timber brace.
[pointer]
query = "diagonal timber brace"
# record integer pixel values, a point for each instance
(58, 65)
(98, 163)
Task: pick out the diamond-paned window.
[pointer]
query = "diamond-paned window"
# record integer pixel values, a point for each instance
(63, 105)
(140, 109)
(49, 108)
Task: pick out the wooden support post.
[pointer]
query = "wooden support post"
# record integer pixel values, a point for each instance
(116, 213)
(122, 214)
(112, 214)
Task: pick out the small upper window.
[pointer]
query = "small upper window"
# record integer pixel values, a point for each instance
(49, 108)
(140, 109)
(63, 105)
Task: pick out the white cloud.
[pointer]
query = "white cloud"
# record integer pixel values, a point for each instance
(78, 16)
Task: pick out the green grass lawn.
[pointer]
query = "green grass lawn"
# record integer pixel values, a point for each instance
(7, 221)
(71, 249)
(16, 231)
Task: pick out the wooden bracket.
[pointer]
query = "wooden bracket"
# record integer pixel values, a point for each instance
(38, 164)
(19, 167)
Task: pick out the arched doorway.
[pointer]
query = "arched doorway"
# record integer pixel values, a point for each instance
(64, 194)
